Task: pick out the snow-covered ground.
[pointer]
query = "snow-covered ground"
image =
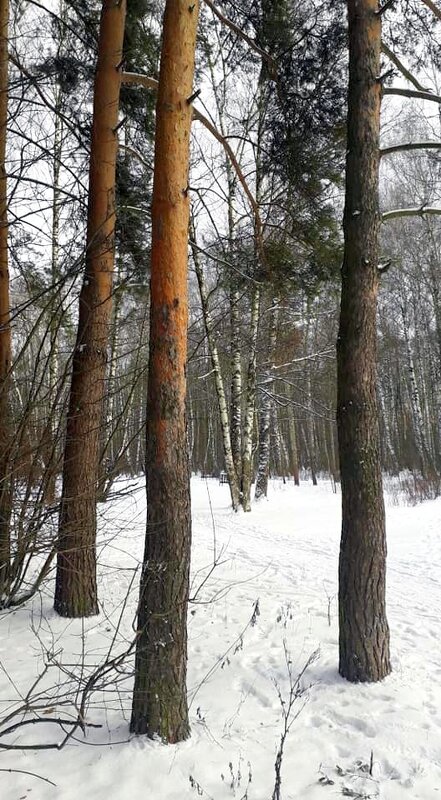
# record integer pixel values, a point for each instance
(269, 604)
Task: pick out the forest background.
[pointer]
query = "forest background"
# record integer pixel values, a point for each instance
(265, 197)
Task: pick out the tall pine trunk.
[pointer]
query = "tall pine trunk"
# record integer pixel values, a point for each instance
(310, 423)
(364, 631)
(5, 327)
(159, 697)
(76, 592)
(292, 441)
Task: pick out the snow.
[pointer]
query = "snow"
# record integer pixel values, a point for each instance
(266, 607)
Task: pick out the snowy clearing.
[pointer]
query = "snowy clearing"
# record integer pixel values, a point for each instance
(270, 601)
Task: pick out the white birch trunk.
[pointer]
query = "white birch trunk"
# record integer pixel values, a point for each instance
(235, 433)
(415, 402)
(219, 384)
(265, 395)
(388, 444)
(236, 384)
(250, 404)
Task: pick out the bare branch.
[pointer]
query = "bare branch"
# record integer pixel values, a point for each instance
(150, 83)
(434, 8)
(385, 6)
(18, 601)
(407, 146)
(242, 35)
(224, 263)
(422, 211)
(135, 154)
(34, 82)
(228, 149)
(400, 66)
(26, 772)
(134, 78)
(434, 98)
(44, 721)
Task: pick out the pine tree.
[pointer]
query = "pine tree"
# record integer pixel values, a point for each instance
(364, 631)
(76, 592)
(159, 698)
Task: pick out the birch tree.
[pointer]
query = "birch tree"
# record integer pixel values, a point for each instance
(266, 402)
(230, 465)
(250, 403)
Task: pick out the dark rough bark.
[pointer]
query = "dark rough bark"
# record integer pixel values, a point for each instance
(364, 631)
(160, 700)
(278, 445)
(159, 697)
(294, 458)
(309, 428)
(75, 591)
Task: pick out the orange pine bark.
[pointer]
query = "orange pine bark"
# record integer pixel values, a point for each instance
(5, 327)
(159, 701)
(76, 593)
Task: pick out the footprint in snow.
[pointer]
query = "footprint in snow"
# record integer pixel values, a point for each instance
(355, 723)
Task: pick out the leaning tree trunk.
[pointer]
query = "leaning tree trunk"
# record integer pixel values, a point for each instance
(159, 698)
(364, 631)
(5, 327)
(75, 592)
(230, 469)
